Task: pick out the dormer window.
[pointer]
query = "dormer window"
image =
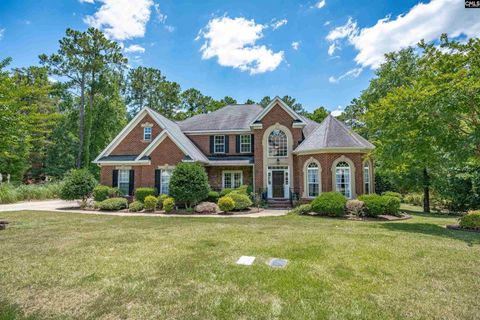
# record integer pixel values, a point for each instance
(219, 144)
(147, 133)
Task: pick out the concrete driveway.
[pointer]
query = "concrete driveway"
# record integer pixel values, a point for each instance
(64, 206)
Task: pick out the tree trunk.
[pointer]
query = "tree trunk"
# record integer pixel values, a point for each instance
(88, 124)
(426, 191)
(81, 134)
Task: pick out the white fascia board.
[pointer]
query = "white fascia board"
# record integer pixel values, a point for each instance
(230, 163)
(332, 150)
(203, 132)
(282, 104)
(299, 125)
(148, 150)
(127, 163)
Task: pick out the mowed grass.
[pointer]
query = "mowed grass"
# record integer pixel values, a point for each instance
(63, 265)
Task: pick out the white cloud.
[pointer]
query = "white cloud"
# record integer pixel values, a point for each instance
(336, 113)
(295, 45)
(2, 31)
(169, 28)
(327, 23)
(277, 24)
(331, 49)
(320, 4)
(355, 72)
(134, 48)
(425, 21)
(233, 42)
(161, 17)
(87, 1)
(122, 19)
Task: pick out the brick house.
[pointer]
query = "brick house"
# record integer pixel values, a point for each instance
(275, 150)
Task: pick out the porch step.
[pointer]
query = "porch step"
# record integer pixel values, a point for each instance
(278, 203)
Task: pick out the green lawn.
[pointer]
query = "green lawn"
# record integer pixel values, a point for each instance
(60, 265)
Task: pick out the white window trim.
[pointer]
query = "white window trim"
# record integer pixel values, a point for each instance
(232, 173)
(343, 158)
(144, 133)
(249, 143)
(306, 193)
(161, 179)
(367, 163)
(215, 143)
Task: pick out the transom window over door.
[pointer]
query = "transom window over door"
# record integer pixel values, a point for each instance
(277, 144)
(313, 180)
(343, 179)
(232, 179)
(219, 144)
(124, 181)
(366, 177)
(245, 143)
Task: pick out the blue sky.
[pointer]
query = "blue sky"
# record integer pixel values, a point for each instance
(320, 52)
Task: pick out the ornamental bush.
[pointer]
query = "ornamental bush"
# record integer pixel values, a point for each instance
(226, 203)
(374, 204)
(168, 204)
(78, 184)
(225, 191)
(471, 220)
(142, 193)
(161, 198)
(355, 207)
(302, 209)
(392, 194)
(101, 192)
(150, 203)
(135, 206)
(113, 204)
(391, 205)
(415, 199)
(189, 183)
(242, 201)
(213, 196)
(329, 204)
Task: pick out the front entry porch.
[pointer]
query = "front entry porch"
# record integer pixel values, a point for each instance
(278, 182)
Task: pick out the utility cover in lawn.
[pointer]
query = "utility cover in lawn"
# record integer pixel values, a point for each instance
(278, 263)
(246, 260)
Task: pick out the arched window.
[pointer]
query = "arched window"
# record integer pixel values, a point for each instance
(277, 144)
(313, 180)
(343, 179)
(366, 177)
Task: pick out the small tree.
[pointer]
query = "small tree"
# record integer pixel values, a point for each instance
(189, 184)
(78, 184)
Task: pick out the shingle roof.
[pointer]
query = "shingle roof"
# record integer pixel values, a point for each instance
(332, 133)
(231, 117)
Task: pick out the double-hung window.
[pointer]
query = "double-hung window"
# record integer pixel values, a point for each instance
(366, 177)
(219, 144)
(124, 181)
(313, 181)
(245, 143)
(232, 179)
(147, 133)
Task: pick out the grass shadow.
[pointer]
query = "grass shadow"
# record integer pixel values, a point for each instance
(434, 230)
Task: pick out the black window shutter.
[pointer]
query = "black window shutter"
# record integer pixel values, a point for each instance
(131, 183)
(211, 144)
(157, 180)
(115, 178)
(227, 145)
(237, 144)
(252, 144)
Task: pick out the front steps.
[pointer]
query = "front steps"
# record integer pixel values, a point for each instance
(279, 203)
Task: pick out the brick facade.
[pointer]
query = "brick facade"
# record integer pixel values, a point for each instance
(215, 175)
(203, 143)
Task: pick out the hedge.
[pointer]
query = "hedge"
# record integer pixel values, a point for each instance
(242, 201)
(226, 203)
(168, 204)
(113, 204)
(135, 206)
(150, 203)
(471, 220)
(376, 205)
(142, 193)
(329, 204)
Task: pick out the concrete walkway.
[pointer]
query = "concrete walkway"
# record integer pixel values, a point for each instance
(69, 207)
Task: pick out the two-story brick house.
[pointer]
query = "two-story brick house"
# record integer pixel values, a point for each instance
(273, 149)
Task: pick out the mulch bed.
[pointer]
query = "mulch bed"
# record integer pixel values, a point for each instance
(458, 227)
(403, 216)
(232, 213)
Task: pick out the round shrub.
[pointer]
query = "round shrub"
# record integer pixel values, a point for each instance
(213, 196)
(329, 204)
(135, 206)
(391, 205)
(189, 183)
(101, 192)
(150, 203)
(471, 220)
(302, 209)
(113, 204)
(355, 207)
(78, 184)
(168, 204)
(225, 191)
(142, 193)
(226, 203)
(374, 204)
(242, 189)
(114, 192)
(241, 200)
(161, 198)
(392, 194)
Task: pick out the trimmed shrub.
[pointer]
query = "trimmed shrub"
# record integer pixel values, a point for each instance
(189, 183)
(329, 204)
(142, 193)
(226, 203)
(242, 189)
(374, 204)
(242, 201)
(415, 199)
(161, 198)
(302, 209)
(355, 207)
(135, 206)
(113, 204)
(391, 205)
(225, 191)
(150, 203)
(213, 196)
(101, 192)
(78, 184)
(168, 204)
(114, 192)
(471, 220)
(392, 194)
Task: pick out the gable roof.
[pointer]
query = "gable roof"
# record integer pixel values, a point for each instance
(333, 134)
(299, 120)
(235, 117)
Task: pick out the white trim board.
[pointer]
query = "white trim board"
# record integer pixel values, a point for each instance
(285, 107)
